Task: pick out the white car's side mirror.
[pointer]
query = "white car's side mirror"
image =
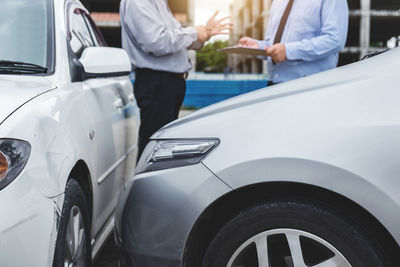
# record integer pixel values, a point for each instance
(105, 61)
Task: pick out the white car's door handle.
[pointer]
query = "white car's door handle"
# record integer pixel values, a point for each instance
(119, 104)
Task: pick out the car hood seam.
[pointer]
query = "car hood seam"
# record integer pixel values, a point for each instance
(23, 104)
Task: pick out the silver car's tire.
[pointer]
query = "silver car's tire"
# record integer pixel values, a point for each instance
(293, 233)
(73, 241)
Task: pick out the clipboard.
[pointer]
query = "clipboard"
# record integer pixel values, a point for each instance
(243, 51)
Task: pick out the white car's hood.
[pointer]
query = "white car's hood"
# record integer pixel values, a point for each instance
(15, 91)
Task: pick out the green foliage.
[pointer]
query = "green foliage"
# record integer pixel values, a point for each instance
(209, 60)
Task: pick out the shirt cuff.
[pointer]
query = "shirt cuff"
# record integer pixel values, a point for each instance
(191, 32)
(261, 44)
(196, 45)
(292, 53)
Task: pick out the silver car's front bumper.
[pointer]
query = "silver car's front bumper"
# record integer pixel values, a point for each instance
(157, 211)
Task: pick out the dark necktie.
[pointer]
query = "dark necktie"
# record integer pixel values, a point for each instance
(282, 24)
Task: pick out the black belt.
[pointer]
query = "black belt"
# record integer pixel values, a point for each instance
(179, 75)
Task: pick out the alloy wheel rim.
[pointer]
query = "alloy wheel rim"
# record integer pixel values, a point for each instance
(75, 242)
(299, 248)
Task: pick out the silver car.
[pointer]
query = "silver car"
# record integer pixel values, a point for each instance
(305, 173)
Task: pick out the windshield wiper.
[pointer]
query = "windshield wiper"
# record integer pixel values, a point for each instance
(375, 53)
(8, 66)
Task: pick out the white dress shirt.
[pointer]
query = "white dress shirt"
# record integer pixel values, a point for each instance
(153, 38)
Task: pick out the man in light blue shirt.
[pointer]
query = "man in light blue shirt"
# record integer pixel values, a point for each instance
(312, 35)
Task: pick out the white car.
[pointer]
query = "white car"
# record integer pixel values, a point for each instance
(68, 133)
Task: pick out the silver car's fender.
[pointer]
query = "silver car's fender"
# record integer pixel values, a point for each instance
(371, 197)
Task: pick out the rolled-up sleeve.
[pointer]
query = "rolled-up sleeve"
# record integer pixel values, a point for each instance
(332, 38)
(150, 32)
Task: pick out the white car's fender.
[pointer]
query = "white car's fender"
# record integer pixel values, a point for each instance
(56, 124)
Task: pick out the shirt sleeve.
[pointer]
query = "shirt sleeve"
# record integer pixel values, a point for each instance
(262, 44)
(332, 38)
(196, 45)
(152, 34)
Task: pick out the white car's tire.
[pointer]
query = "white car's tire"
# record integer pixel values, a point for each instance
(73, 241)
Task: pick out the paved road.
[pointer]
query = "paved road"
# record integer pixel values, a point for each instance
(107, 257)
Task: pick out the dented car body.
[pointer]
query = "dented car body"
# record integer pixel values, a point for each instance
(77, 119)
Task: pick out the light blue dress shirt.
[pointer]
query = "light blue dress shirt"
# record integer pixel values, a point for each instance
(315, 33)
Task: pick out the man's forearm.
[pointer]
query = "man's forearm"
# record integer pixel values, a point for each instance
(167, 41)
(313, 49)
(334, 17)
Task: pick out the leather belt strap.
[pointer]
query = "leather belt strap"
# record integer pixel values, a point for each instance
(282, 24)
(180, 75)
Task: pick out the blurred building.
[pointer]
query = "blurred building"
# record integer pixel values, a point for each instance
(106, 15)
(372, 24)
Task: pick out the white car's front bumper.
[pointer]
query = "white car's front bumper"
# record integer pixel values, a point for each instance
(28, 225)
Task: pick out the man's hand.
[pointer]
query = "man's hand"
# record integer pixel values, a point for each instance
(277, 52)
(248, 42)
(216, 26)
(213, 27)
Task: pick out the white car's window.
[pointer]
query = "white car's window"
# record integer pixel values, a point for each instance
(24, 31)
(80, 36)
(94, 30)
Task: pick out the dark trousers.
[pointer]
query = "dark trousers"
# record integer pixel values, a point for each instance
(159, 96)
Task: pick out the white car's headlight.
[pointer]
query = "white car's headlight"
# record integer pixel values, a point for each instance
(13, 157)
(166, 154)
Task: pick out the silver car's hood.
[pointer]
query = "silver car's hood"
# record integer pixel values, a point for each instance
(17, 90)
(373, 69)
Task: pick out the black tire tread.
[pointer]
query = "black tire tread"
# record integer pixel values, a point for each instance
(298, 214)
(73, 195)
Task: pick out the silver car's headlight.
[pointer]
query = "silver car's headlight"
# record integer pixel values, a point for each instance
(166, 154)
(13, 157)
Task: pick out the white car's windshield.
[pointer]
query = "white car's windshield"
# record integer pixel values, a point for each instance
(25, 32)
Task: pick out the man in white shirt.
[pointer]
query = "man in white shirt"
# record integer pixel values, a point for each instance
(157, 45)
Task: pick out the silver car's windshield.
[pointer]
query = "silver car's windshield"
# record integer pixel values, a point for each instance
(25, 35)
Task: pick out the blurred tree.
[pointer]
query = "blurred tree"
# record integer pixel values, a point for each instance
(209, 60)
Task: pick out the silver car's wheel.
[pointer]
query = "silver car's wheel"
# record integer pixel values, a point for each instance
(293, 232)
(75, 242)
(297, 241)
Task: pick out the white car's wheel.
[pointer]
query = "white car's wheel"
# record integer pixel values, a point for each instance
(73, 240)
(293, 233)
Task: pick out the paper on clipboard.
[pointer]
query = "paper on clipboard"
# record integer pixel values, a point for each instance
(243, 51)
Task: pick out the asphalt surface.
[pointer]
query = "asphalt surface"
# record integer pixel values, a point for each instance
(107, 257)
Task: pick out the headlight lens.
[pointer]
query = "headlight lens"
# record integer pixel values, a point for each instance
(13, 157)
(166, 154)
